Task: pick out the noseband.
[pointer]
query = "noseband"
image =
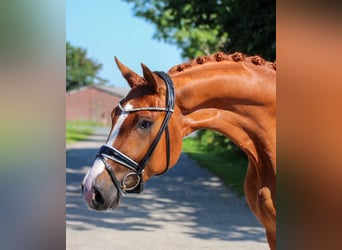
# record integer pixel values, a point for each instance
(109, 152)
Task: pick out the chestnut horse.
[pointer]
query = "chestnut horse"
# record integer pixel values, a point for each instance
(229, 93)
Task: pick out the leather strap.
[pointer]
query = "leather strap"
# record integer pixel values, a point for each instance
(107, 151)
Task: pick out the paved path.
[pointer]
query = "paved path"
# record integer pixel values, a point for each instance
(188, 208)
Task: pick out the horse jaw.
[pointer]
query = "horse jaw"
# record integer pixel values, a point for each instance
(131, 77)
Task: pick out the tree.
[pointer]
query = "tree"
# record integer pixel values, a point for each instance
(204, 27)
(80, 70)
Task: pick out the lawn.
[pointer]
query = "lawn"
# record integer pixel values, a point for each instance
(228, 166)
(77, 131)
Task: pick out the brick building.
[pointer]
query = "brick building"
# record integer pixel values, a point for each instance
(93, 103)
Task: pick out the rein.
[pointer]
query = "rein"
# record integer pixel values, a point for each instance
(109, 152)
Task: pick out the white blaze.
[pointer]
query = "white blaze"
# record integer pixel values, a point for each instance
(89, 179)
(118, 125)
(98, 165)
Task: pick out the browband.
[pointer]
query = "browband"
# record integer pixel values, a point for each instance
(107, 151)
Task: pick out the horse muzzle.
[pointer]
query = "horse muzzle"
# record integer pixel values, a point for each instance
(97, 189)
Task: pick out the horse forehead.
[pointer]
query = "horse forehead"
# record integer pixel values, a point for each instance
(128, 105)
(143, 101)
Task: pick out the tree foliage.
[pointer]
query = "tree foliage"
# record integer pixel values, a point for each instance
(200, 27)
(213, 141)
(80, 70)
(206, 26)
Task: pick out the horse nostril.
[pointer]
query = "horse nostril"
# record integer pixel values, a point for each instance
(98, 197)
(82, 187)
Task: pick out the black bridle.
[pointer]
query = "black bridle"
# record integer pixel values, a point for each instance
(109, 152)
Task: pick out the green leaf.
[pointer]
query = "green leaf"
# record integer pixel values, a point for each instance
(81, 70)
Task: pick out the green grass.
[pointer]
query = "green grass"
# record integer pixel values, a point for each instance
(83, 124)
(229, 167)
(77, 131)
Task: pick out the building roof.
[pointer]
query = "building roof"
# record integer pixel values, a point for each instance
(118, 91)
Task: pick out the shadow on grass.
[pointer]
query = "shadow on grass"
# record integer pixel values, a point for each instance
(230, 167)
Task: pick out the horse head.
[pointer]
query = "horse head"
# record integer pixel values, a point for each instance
(145, 140)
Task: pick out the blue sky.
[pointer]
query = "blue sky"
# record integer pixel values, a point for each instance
(108, 28)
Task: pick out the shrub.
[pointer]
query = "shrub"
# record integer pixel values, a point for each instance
(213, 141)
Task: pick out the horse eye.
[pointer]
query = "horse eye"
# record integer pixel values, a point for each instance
(144, 124)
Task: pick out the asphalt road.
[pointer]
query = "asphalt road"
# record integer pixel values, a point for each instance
(188, 208)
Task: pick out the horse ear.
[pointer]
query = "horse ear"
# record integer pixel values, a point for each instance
(131, 77)
(150, 77)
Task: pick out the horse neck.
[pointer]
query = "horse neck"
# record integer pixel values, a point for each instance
(235, 99)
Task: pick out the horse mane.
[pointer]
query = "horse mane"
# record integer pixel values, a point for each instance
(221, 56)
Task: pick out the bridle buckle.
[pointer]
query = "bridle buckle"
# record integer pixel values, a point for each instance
(107, 151)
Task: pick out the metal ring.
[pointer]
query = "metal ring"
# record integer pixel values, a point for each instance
(123, 185)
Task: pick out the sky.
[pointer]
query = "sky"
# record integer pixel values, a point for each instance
(108, 28)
